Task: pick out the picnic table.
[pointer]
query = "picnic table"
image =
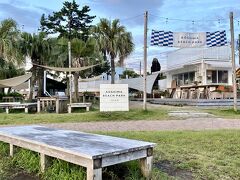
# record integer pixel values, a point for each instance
(17, 105)
(88, 150)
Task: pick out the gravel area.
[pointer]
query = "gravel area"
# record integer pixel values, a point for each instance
(189, 124)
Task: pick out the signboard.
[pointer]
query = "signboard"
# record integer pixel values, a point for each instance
(184, 39)
(114, 97)
(188, 39)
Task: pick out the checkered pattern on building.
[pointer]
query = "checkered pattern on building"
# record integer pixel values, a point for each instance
(162, 38)
(217, 38)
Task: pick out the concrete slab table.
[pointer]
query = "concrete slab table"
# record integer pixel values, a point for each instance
(88, 150)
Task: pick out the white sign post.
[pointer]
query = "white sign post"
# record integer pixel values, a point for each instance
(114, 97)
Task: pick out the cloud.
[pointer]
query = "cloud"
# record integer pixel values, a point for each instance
(23, 15)
(129, 11)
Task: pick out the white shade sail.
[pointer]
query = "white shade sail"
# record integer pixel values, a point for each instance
(12, 82)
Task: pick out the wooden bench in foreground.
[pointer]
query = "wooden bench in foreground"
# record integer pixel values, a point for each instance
(78, 105)
(17, 105)
(88, 150)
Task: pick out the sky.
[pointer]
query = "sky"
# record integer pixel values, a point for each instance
(173, 15)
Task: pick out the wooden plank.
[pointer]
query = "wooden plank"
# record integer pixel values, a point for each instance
(47, 150)
(129, 156)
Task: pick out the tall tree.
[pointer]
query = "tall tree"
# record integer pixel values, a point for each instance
(70, 22)
(126, 47)
(9, 36)
(113, 36)
(38, 48)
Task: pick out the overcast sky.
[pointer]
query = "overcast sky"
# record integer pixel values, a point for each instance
(174, 15)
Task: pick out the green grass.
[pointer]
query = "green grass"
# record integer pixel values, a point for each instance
(178, 155)
(225, 113)
(133, 114)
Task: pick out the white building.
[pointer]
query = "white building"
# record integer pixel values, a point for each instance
(202, 66)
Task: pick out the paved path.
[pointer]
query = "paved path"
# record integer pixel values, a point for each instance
(189, 124)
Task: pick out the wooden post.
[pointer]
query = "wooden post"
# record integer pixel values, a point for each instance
(57, 105)
(38, 106)
(146, 164)
(69, 108)
(26, 109)
(11, 149)
(44, 162)
(94, 172)
(7, 110)
(233, 63)
(145, 62)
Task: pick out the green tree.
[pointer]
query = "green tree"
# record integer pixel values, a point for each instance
(112, 36)
(130, 74)
(70, 22)
(9, 36)
(38, 48)
(126, 47)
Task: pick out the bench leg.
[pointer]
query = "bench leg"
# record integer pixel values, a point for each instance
(44, 162)
(26, 109)
(7, 110)
(146, 164)
(11, 149)
(38, 106)
(87, 108)
(69, 109)
(94, 174)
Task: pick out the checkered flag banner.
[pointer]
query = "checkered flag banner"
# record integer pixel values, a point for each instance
(217, 38)
(162, 38)
(188, 39)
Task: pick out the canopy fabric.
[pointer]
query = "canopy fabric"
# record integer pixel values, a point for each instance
(137, 83)
(12, 82)
(91, 79)
(134, 83)
(60, 69)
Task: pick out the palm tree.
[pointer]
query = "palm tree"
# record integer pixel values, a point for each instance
(38, 48)
(9, 36)
(126, 47)
(114, 40)
(84, 54)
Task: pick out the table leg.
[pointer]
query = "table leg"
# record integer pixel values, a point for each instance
(146, 164)
(94, 171)
(11, 149)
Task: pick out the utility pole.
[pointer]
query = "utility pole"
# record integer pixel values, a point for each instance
(145, 62)
(239, 49)
(140, 68)
(233, 63)
(70, 74)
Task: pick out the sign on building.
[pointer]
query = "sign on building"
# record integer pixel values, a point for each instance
(188, 39)
(114, 97)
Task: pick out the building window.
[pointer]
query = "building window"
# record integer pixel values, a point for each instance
(217, 76)
(184, 78)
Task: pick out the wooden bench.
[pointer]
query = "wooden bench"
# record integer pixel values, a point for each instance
(17, 105)
(78, 105)
(88, 150)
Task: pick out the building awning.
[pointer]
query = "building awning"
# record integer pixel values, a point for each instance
(12, 82)
(218, 64)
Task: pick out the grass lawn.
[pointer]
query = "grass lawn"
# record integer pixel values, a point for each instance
(133, 114)
(178, 155)
(224, 113)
